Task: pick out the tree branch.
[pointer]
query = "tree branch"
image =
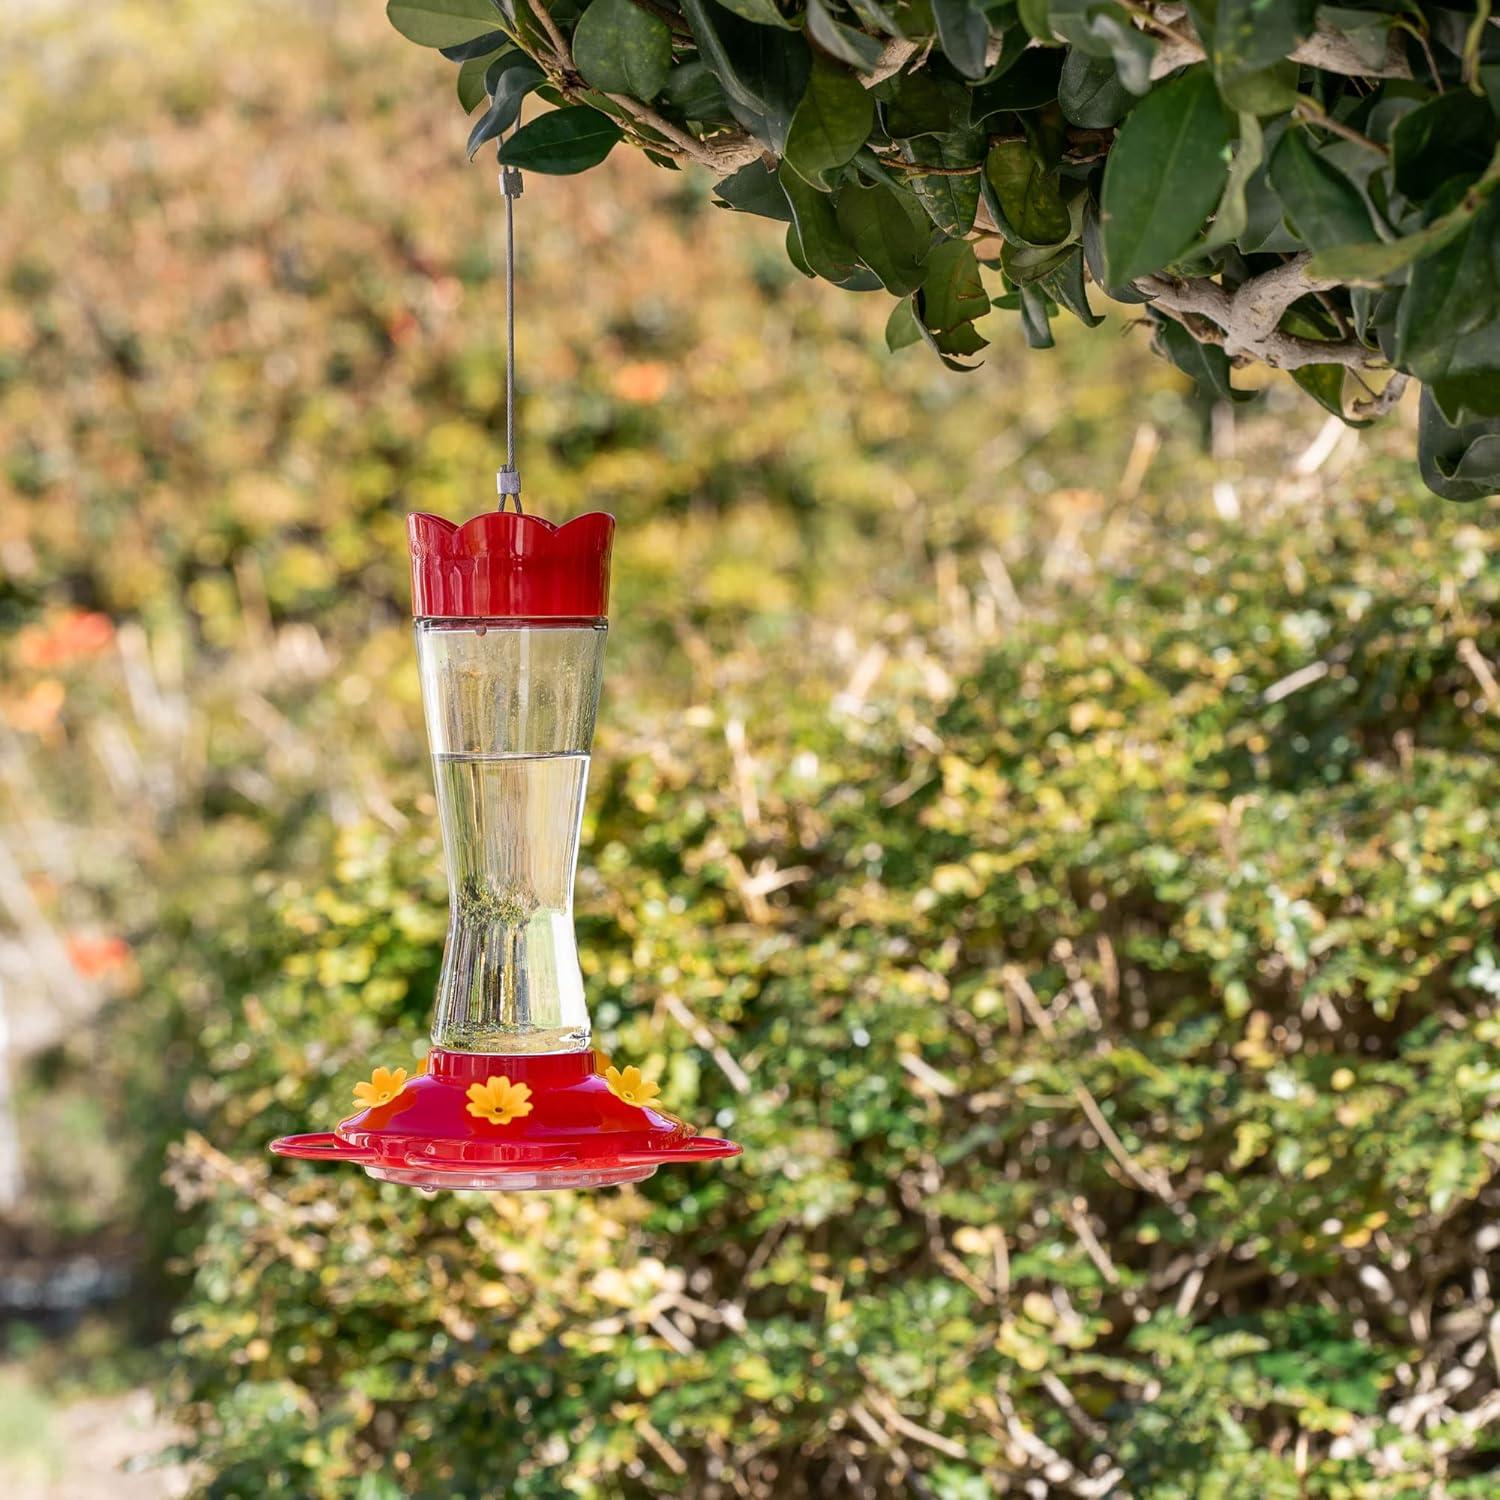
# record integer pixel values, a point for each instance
(1247, 320)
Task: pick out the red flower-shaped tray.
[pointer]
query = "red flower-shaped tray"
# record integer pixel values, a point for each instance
(578, 1132)
(501, 565)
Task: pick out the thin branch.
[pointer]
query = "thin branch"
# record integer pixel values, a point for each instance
(1312, 111)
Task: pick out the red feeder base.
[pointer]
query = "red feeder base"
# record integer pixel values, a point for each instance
(576, 1133)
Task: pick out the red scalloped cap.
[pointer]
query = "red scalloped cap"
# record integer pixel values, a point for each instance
(502, 565)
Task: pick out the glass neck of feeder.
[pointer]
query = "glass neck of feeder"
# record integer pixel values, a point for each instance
(510, 709)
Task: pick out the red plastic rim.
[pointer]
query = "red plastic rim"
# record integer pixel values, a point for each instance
(572, 1131)
(501, 565)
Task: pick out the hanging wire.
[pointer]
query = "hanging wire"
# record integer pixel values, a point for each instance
(508, 480)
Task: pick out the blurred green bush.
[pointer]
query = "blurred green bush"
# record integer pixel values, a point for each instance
(1063, 857)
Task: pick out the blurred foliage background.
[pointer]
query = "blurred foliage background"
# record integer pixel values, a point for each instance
(1052, 829)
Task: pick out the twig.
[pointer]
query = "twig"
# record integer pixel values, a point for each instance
(1151, 1182)
(1311, 110)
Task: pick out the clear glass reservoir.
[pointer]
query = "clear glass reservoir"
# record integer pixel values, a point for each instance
(510, 708)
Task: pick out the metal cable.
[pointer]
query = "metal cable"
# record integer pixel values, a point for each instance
(508, 480)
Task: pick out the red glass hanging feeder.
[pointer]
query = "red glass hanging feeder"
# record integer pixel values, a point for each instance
(511, 618)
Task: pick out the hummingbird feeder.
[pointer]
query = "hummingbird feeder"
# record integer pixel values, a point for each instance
(511, 619)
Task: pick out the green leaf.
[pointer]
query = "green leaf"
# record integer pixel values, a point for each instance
(1103, 29)
(695, 93)
(901, 328)
(1371, 264)
(842, 42)
(1457, 462)
(562, 141)
(442, 23)
(889, 231)
(1089, 92)
(1165, 173)
(1036, 323)
(951, 200)
(1325, 384)
(1251, 38)
(1030, 83)
(1452, 136)
(1322, 204)
(1065, 285)
(1449, 324)
(763, 70)
(1233, 214)
(1024, 197)
(1024, 265)
(621, 49)
(754, 189)
(952, 291)
(825, 249)
(762, 12)
(471, 88)
(831, 123)
(1207, 364)
(964, 34)
(509, 81)
(917, 104)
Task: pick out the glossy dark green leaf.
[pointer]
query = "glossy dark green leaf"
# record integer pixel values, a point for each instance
(479, 46)
(889, 231)
(1093, 256)
(1232, 216)
(621, 49)
(761, 12)
(1031, 83)
(918, 104)
(1451, 294)
(1207, 364)
(1458, 462)
(442, 23)
(471, 88)
(562, 141)
(825, 248)
(1025, 265)
(1065, 285)
(1089, 91)
(964, 34)
(1251, 39)
(1320, 203)
(1164, 175)
(842, 42)
(763, 70)
(1103, 29)
(1373, 263)
(1036, 322)
(754, 189)
(1025, 199)
(693, 91)
(831, 123)
(951, 199)
(509, 80)
(952, 291)
(1452, 136)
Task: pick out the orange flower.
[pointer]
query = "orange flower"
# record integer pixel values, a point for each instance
(75, 633)
(499, 1101)
(384, 1085)
(93, 957)
(630, 1086)
(644, 382)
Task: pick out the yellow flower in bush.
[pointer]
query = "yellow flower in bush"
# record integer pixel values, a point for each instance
(384, 1085)
(630, 1086)
(499, 1101)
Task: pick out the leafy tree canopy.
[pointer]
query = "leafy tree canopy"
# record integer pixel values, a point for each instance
(1309, 186)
